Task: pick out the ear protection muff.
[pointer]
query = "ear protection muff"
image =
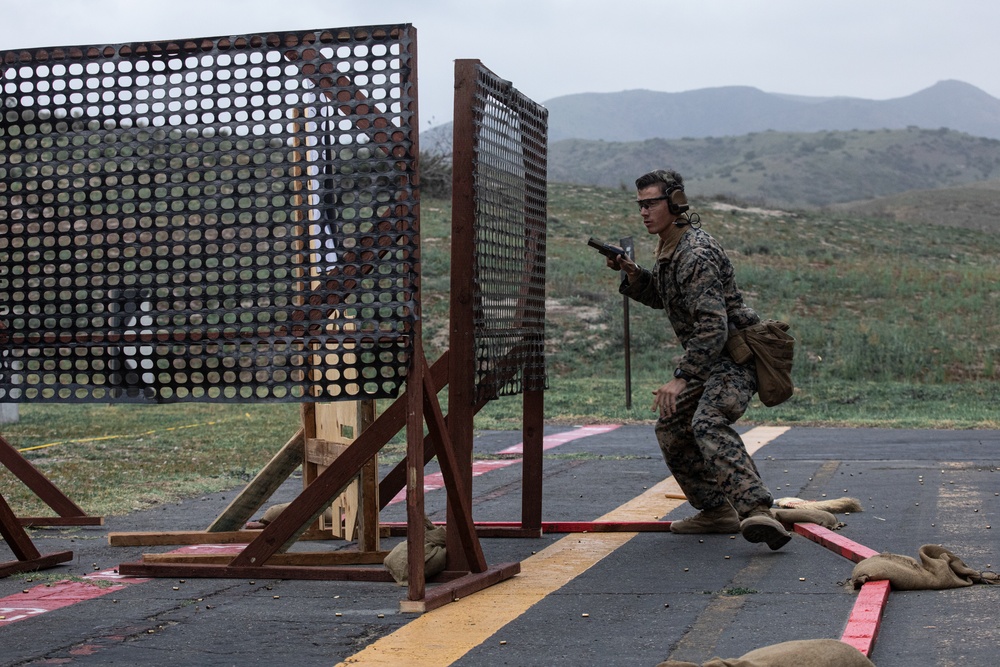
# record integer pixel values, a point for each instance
(676, 199)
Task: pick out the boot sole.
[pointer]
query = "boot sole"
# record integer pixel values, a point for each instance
(774, 538)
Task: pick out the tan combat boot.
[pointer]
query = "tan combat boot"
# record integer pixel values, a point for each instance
(761, 526)
(722, 519)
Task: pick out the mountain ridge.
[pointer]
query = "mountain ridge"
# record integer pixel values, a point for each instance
(735, 110)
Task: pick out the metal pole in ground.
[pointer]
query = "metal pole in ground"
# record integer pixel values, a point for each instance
(629, 248)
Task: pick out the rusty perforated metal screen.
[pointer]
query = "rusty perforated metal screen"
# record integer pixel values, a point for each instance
(510, 164)
(227, 218)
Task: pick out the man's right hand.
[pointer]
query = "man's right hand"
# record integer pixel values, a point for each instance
(623, 263)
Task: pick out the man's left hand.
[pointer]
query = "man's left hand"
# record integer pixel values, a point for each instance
(665, 398)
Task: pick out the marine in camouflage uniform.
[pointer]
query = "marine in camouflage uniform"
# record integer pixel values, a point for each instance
(693, 280)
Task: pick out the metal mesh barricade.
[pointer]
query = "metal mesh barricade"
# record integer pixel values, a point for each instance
(509, 179)
(225, 218)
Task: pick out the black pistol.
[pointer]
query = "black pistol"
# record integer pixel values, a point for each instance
(609, 251)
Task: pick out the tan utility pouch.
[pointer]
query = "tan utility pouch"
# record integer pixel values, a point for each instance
(737, 348)
(772, 349)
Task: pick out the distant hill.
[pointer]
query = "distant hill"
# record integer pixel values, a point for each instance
(634, 115)
(973, 206)
(783, 150)
(806, 170)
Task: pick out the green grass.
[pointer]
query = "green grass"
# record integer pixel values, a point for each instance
(897, 325)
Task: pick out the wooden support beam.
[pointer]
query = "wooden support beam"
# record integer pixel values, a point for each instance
(458, 488)
(332, 573)
(46, 521)
(28, 557)
(441, 594)
(42, 487)
(261, 487)
(310, 558)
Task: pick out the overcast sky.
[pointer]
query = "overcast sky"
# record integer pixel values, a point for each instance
(874, 49)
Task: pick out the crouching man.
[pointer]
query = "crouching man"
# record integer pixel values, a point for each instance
(694, 281)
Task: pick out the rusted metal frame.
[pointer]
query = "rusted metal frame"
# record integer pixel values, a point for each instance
(28, 557)
(461, 383)
(208, 45)
(46, 491)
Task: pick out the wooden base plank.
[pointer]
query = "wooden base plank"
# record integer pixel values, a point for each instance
(45, 521)
(192, 570)
(310, 558)
(168, 537)
(834, 542)
(32, 564)
(441, 594)
(866, 617)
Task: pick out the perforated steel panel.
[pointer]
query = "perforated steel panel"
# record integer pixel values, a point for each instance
(511, 208)
(227, 218)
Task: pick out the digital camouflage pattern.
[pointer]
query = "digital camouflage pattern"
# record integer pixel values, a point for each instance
(696, 286)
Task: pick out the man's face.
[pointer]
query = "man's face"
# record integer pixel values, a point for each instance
(656, 216)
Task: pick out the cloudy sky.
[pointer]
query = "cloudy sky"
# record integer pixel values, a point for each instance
(874, 49)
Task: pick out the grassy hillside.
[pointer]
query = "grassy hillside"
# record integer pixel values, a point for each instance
(897, 323)
(803, 170)
(973, 206)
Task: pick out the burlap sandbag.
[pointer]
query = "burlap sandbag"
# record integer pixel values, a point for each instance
(799, 653)
(274, 511)
(938, 569)
(790, 517)
(435, 555)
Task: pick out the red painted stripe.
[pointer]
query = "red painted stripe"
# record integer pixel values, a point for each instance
(435, 481)
(866, 617)
(45, 598)
(568, 526)
(834, 542)
(567, 436)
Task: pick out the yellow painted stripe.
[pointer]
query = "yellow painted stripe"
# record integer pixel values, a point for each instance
(118, 437)
(441, 637)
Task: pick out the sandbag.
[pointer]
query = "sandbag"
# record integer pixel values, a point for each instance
(435, 555)
(274, 511)
(843, 505)
(938, 569)
(790, 517)
(798, 653)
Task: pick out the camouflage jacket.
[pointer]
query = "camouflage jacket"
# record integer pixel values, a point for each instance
(696, 286)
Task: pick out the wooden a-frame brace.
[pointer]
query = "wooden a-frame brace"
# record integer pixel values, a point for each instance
(69, 513)
(12, 527)
(265, 556)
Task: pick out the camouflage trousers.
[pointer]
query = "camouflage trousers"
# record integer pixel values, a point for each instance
(705, 454)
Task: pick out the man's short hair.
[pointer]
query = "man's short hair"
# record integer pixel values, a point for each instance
(666, 178)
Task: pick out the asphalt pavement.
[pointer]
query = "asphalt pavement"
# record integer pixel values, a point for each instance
(640, 599)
